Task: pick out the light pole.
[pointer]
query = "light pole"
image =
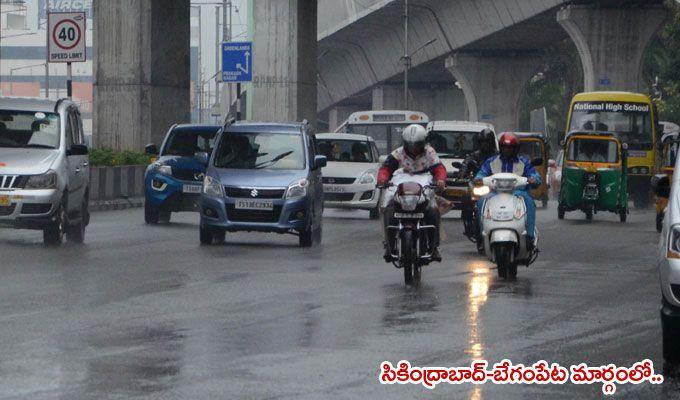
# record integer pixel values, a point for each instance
(406, 58)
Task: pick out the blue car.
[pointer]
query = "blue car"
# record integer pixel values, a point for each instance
(174, 181)
(263, 177)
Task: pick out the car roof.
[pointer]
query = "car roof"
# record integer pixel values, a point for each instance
(344, 136)
(471, 126)
(195, 128)
(28, 104)
(270, 127)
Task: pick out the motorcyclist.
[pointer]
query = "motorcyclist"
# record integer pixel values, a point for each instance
(510, 161)
(414, 156)
(485, 143)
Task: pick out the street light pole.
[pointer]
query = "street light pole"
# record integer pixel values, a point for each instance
(407, 58)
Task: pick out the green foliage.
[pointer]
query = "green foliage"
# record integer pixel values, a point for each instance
(108, 157)
(662, 61)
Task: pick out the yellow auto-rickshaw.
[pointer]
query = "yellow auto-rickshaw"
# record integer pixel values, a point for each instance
(669, 147)
(533, 146)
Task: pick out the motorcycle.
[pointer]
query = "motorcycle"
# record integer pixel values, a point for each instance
(409, 238)
(469, 213)
(504, 225)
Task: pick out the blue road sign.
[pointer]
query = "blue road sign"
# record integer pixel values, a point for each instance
(237, 62)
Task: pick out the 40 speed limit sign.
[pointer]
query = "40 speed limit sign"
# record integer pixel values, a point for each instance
(66, 37)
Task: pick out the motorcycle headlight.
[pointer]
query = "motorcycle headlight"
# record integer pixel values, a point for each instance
(212, 187)
(297, 189)
(480, 191)
(47, 180)
(408, 202)
(367, 177)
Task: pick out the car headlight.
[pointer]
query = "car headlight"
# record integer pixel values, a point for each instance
(297, 189)
(161, 168)
(368, 177)
(674, 242)
(480, 191)
(47, 180)
(212, 187)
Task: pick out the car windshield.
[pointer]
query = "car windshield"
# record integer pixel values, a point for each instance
(29, 129)
(591, 150)
(187, 142)
(452, 144)
(345, 150)
(632, 121)
(260, 150)
(530, 149)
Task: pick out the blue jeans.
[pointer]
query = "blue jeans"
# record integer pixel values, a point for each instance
(528, 200)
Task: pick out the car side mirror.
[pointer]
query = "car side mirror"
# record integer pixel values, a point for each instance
(382, 159)
(537, 162)
(202, 157)
(77, 150)
(320, 162)
(457, 164)
(151, 149)
(661, 186)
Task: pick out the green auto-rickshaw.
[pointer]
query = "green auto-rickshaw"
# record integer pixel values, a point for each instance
(594, 175)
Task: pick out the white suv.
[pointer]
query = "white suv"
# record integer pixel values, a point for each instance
(44, 168)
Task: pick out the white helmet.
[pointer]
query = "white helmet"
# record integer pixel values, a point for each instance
(414, 137)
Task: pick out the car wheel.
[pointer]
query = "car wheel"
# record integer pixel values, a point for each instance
(671, 344)
(208, 236)
(164, 216)
(151, 214)
(53, 234)
(76, 233)
(305, 238)
(374, 213)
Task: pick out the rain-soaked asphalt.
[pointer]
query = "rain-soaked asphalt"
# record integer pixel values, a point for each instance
(145, 312)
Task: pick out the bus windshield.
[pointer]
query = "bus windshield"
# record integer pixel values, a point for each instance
(632, 121)
(387, 136)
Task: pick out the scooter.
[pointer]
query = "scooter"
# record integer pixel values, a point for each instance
(409, 239)
(504, 225)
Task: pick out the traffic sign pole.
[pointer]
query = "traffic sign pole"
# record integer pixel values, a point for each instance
(238, 101)
(69, 81)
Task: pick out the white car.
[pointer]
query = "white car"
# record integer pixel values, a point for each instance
(349, 177)
(669, 267)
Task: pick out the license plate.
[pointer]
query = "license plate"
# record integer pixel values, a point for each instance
(4, 201)
(409, 215)
(333, 189)
(191, 189)
(248, 204)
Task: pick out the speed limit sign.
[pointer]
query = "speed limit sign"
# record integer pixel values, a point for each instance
(66, 37)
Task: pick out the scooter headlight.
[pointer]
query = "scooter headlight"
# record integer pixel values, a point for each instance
(480, 191)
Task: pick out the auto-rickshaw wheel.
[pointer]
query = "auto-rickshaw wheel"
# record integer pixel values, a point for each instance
(659, 222)
(560, 212)
(589, 215)
(623, 214)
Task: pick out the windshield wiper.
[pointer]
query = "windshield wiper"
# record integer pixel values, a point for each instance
(273, 160)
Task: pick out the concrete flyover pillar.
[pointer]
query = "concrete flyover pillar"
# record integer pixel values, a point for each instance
(493, 85)
(284, 60)
(141, 71)
(611, 42)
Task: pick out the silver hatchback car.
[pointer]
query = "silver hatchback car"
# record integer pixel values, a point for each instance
(44, 168)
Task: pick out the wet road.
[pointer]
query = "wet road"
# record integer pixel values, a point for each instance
(145, 312)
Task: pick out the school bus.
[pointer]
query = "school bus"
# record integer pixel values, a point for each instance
(632, 117)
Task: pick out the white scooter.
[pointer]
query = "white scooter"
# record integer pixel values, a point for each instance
(504, 224)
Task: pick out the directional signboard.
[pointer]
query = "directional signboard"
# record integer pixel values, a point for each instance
(237, 62)
(66, 37)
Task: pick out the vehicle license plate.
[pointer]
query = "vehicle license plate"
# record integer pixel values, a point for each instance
(248, 204)
(4, 201)
(409, 215)
(333, 189)
(192, 189)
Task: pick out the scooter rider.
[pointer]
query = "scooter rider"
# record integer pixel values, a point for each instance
(510, 161)
(486, 147)
(415, 156)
